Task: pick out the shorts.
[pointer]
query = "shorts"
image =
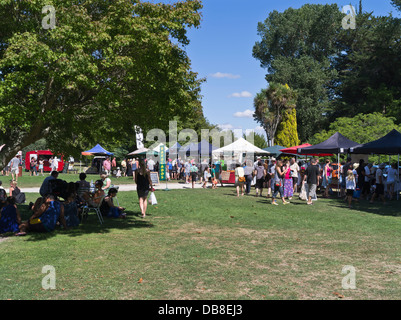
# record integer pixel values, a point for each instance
(311, 190)
(294, 180)
(34, 225)
(259, 183)
(15, 170)
(194, 176)
(379, 189)
(350, 192)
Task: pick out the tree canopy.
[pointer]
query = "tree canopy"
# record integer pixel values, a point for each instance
(271, 106)
(296, 47)
(336, 72)
(106, 66)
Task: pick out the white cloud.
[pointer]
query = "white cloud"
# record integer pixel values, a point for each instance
(245, 114)
(225, 126)
(260, 130)
(242, 94)
(220, 75)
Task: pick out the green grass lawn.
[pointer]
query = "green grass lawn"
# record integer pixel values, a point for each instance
(209, 244)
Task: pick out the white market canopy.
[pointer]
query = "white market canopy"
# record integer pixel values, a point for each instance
(157, 149)
(241, 146)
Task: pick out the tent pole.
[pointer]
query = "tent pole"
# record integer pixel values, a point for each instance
(338, 174)
(398, 170)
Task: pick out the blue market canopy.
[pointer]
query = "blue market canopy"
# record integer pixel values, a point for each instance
(203, 148)
(389, 144)
(98, 150)
(274, 150)
(175, 148)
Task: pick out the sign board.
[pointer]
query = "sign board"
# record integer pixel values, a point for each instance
(154, 176)
(162, 165)
(225, 175)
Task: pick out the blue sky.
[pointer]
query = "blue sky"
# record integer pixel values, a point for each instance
(221, 51)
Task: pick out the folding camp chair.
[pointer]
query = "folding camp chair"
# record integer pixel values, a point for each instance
(87, 208)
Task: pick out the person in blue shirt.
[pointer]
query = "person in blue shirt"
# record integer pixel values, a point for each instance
(10, 218)
(45, 217)
(45, 187)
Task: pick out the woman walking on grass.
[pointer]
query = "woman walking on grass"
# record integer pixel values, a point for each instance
(239, 179)
(260, 173)
(288, 184)
(206, 176)
(143, 185)
(278, 183)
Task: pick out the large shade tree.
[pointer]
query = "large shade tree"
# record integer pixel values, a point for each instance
(106, 66)
(296, 47)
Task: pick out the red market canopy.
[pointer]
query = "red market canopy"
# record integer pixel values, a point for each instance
(294, 150)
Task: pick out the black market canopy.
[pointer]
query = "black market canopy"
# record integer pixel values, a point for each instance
(337, 143)
(389, 144)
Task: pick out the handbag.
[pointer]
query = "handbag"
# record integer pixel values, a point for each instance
(356, 194)
(152, 199)
(241, 179)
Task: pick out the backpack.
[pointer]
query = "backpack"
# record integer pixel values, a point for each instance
(3, 195)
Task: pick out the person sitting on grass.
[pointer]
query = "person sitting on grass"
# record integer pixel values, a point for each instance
(15, 192)
(45, 218)
(71, 211)
(10, 218)
(109, 209)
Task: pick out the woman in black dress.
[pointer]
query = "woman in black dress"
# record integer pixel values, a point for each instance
(143, 185)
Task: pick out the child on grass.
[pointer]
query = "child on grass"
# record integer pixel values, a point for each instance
(350, 185)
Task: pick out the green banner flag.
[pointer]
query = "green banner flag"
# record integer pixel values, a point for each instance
(162, 163)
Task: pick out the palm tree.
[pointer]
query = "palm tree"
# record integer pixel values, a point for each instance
(271, 104)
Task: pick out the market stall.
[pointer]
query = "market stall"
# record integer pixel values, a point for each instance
(234, 153)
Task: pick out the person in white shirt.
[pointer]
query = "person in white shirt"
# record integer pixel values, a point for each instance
(54, 164)
(366, 184)
(379, 191)
(151, 165)
(350, 185)
(239, 179)
(14, 166)
(391, 178)
(294, 173)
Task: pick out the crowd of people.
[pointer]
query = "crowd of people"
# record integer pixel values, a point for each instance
(62, 203)
(284, 178)
(59, 203)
